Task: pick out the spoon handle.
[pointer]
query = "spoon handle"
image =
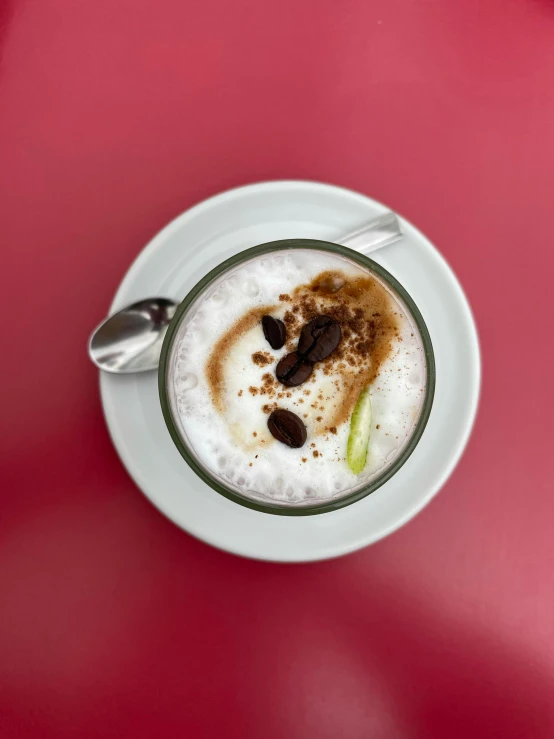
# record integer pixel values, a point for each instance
(379, 232)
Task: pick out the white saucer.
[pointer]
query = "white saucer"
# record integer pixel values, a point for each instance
(197, 241)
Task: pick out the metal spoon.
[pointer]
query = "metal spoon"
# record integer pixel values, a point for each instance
(131, 339)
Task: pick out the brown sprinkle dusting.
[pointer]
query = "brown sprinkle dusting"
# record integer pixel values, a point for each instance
(370, 334)
(262, 358)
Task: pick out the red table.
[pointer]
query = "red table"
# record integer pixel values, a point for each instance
(114, 117)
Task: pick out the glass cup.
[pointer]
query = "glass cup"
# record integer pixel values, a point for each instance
(168, 397)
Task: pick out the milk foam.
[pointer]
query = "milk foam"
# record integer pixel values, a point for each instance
(235, 444)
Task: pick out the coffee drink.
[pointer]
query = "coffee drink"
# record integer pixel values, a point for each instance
(267, 366)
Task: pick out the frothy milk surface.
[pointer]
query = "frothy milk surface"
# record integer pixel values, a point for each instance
(222, 383)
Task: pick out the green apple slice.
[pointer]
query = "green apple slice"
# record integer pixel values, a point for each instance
(360, 428)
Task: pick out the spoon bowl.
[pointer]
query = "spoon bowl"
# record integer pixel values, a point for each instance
(131, 339)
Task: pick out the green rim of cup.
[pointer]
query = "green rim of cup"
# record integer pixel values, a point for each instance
(244, 256)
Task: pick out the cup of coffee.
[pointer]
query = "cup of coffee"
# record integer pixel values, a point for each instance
(297, 377)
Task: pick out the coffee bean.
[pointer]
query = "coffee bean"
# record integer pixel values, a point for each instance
(319, 338)
(274, 331)
(287, 428)
(293, 370)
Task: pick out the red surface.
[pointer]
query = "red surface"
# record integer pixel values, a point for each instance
(115, 117)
